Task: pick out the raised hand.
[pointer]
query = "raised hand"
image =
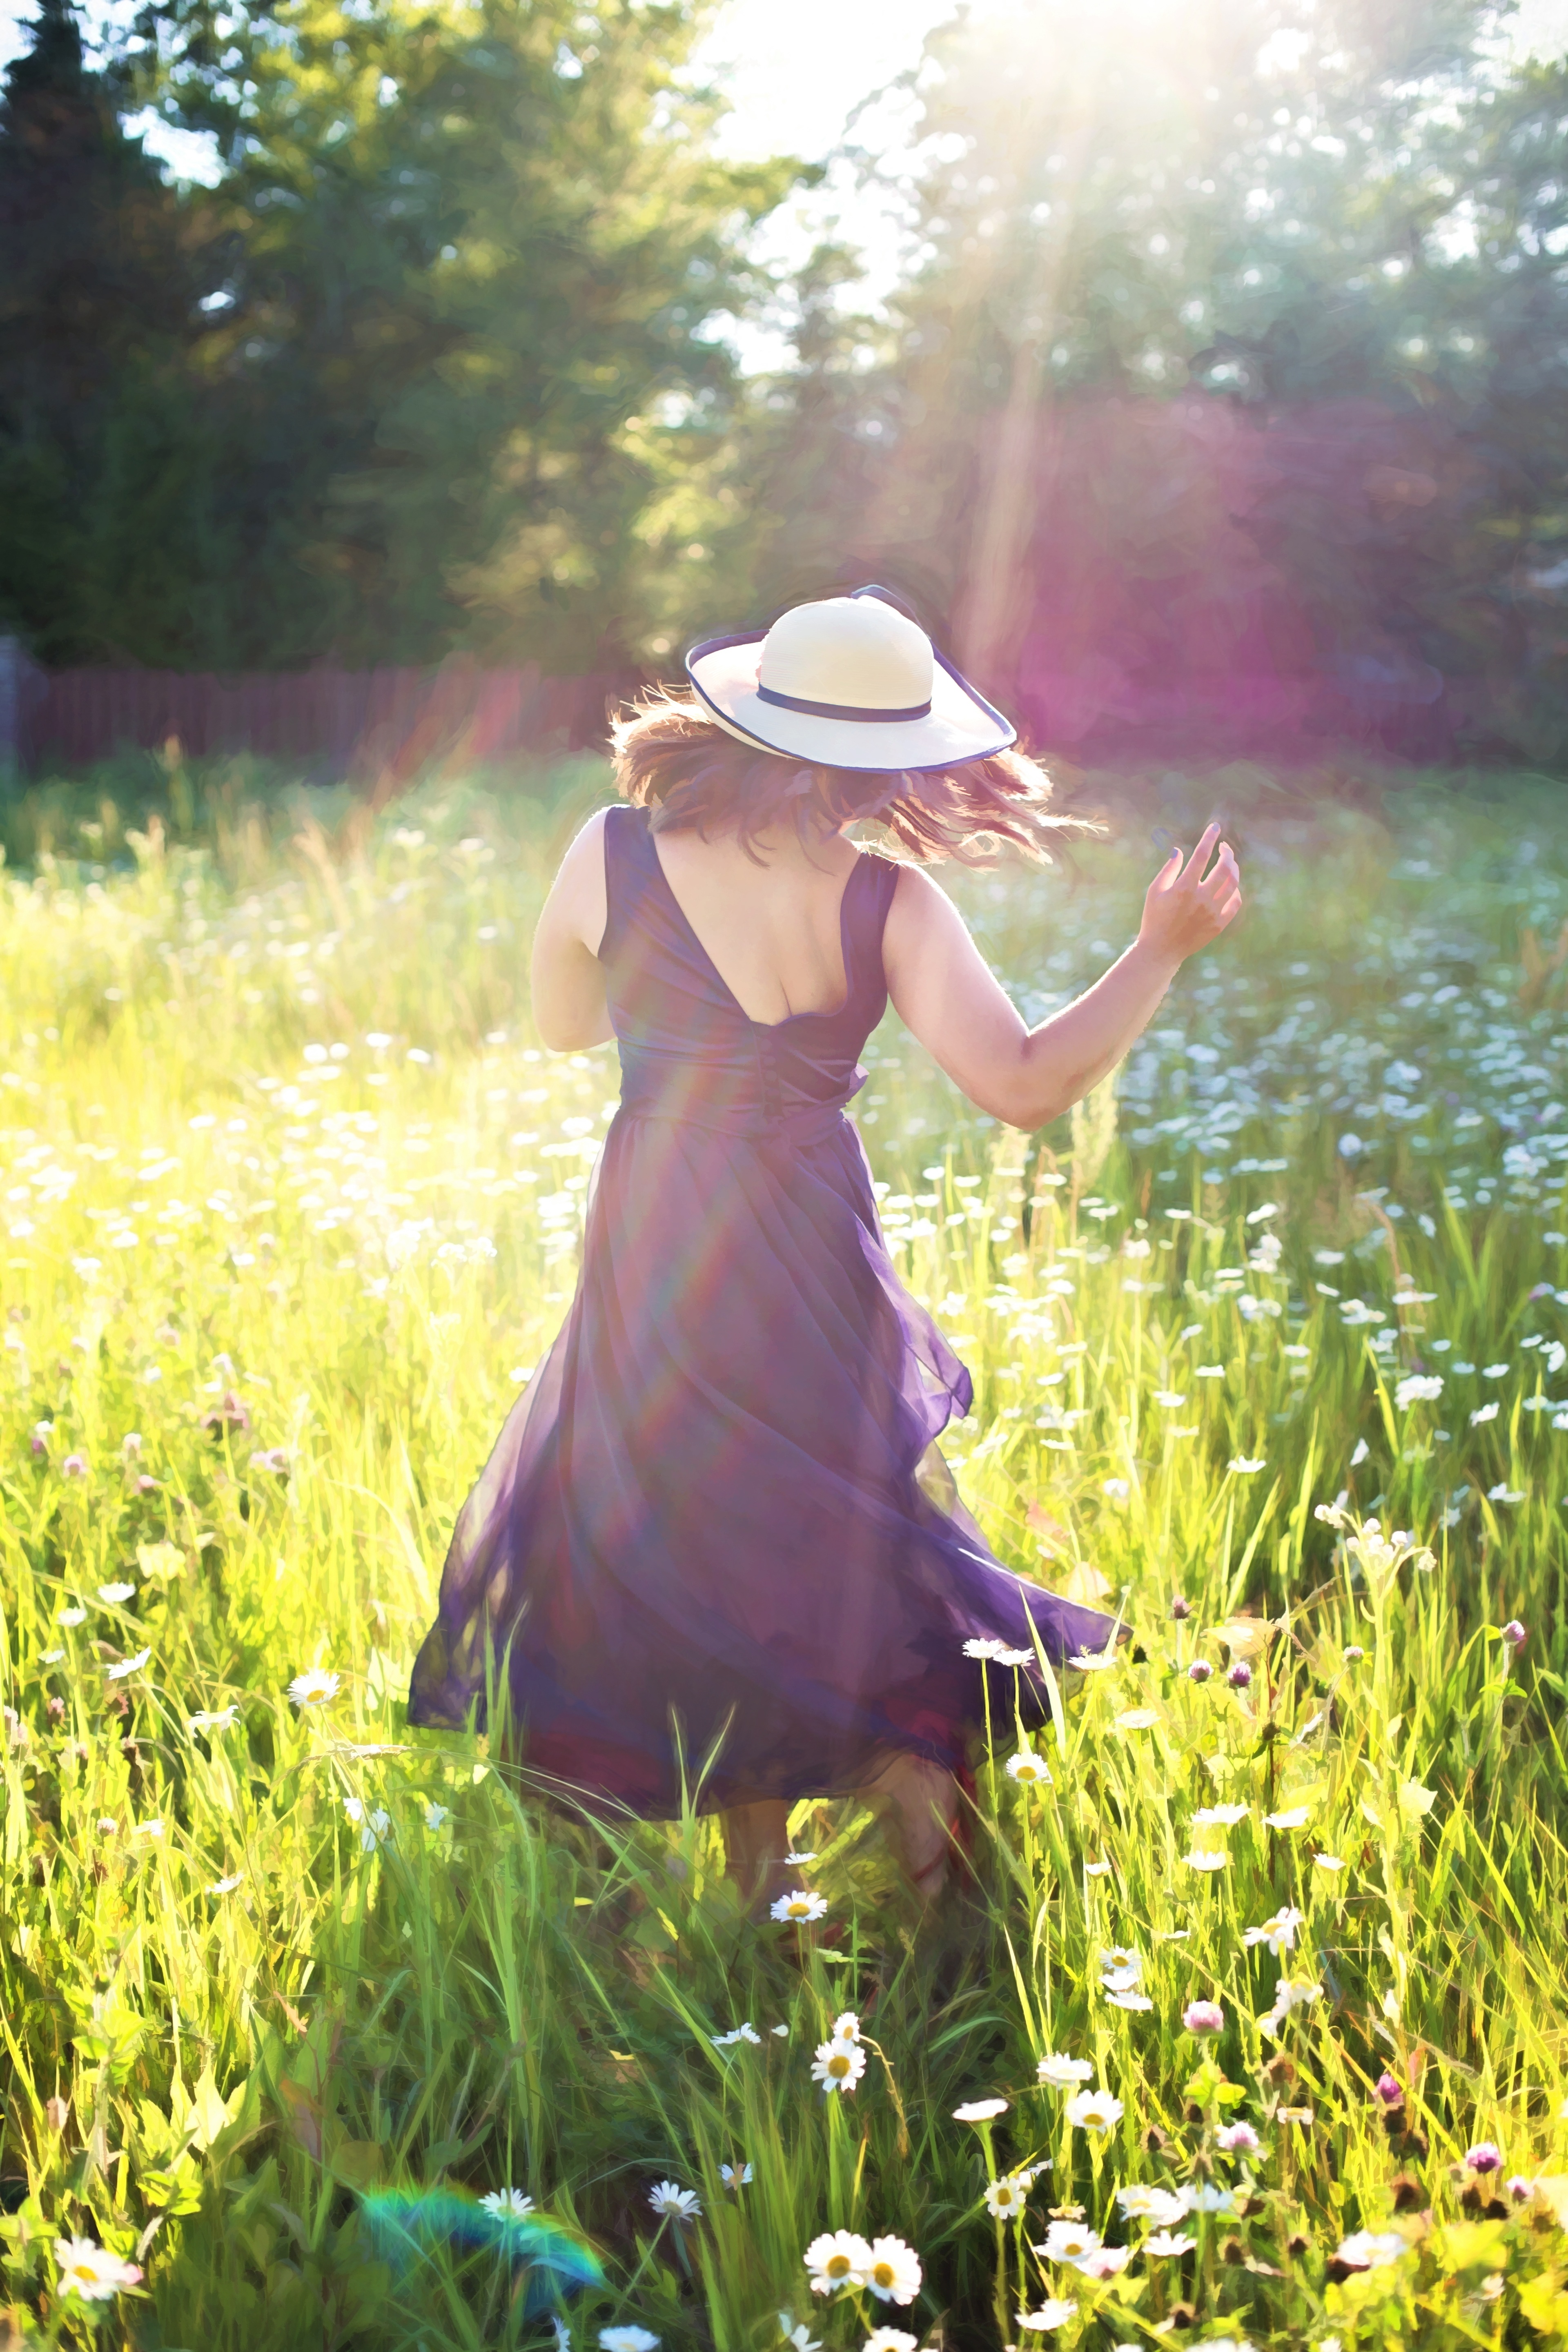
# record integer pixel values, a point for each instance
(1185, 907)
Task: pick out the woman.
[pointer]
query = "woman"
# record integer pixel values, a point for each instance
(715, 1553)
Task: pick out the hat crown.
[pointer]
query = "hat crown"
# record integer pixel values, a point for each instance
(855, 651)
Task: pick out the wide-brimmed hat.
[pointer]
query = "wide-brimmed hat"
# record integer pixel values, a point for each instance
(847, 682)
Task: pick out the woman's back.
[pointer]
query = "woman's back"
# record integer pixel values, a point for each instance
(770, 922)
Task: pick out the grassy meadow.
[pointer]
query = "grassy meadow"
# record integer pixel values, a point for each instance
(1270, 1349)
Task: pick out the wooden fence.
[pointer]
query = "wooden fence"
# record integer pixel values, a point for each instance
(375, 726)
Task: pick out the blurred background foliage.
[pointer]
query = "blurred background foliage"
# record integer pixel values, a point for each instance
(1225, 398)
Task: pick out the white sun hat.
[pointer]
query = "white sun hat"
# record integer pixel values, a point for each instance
(849, 682)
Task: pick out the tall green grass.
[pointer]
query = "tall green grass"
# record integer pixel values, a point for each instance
(291, 1206)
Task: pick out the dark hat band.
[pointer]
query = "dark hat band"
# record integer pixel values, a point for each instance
(842, 709)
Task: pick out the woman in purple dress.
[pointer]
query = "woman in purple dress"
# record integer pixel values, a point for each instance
(715, 1556)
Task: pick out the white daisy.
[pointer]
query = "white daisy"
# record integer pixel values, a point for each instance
(1068, 2241)
(747, 2033)
(1027, 1768)
(128, 1667)
(1224, 1817)
(890, 2339)
(114, 1592)
(1055, 2311)
(893, 2273)
(1295, 1816)
(799, 1905)
(506, 2200)
(846, 2026)
(434, 1815)
(735, 2176)
(1216, 1860)
(667, 2197)
(1061, 2071)
(1094, 2111)
(796, 2332)
(314, 1688)
(979, 2111)
(799, 1860)
(91, 2272)
(838, 2258)
(214, 1719)
(1162, 2242)
(838, 2065)
(627, 2340)
(1278, 1933)
(1006, 2196)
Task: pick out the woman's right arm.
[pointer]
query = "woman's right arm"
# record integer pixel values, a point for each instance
(944, 992)
(569, 1008)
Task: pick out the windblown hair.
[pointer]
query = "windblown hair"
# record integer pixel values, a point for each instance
(672, 758)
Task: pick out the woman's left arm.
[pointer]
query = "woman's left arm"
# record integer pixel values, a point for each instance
(569, 1008)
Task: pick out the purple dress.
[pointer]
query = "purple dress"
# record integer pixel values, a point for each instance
(715, 1536)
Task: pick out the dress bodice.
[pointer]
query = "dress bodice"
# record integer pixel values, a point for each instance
(687, 1051)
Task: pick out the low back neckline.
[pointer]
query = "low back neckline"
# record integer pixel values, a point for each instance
(835, 1013)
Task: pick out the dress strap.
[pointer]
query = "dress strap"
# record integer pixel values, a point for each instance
(626, 852)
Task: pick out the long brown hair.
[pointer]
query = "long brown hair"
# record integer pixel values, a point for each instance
(672, 758)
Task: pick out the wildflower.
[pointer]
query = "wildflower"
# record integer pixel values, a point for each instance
(799, 1905)
(627, 2340)
(670, 2199)
(1514, 1634)
(1329, 1861)
(1503, 1493)
(799, 1860)
(314, 1687)
(1137, 1718)
(1117, 1489)
(1132, 2000)
(1091, 1662)
(1205, 2198)
(893, 2271)
(1417, 1388)
(1485, 2157)
(69, 1616)
(1199, 1670)
(979, 2111)
(838, 2065)
(1389, 2092)
(735, 2176)
(1371, 2250)
(796, 2333)
(372, 1826)
(838, 2258)
(1068, 2241)
(746, 2033)
(1027, 1768)
(1141, 2203)
(1244, 1467)
(506, 2200)
(160, 1561)
(1118, 1959)
(1061, 2072)
(435, 1814)
(226, 1886)
(990, 1650)
(1221, 1816)
(1240, 1676)
(75, 1466)
(1204, 2016)
(1121, 1979)
(562, 2333)
(90, 2272)
(1097, 1870)
(1519, 2187)
(1106, 2261)
(1055, 2311)
(1206, 1860)
(846, 2026)
(1181, 1608)
(1237, 2139)
(213, 1719)
(115, 1592)
(1164, 2242)
(1278, 1933)
(1014, 1657)
(1094, 2111)
(1006, 2197)
(1169, 1398)
(1352, 1651)
(890, 2339)
(128, 1667)
(1484, 1412)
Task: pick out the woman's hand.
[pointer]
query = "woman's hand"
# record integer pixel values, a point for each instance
(1185, 907)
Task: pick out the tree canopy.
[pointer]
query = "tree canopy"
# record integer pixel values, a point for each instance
(1229, 388)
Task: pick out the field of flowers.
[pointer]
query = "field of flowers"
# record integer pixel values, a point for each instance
(1252, 2026)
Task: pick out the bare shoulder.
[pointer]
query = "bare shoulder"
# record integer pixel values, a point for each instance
(918, 906)
(578, 896)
